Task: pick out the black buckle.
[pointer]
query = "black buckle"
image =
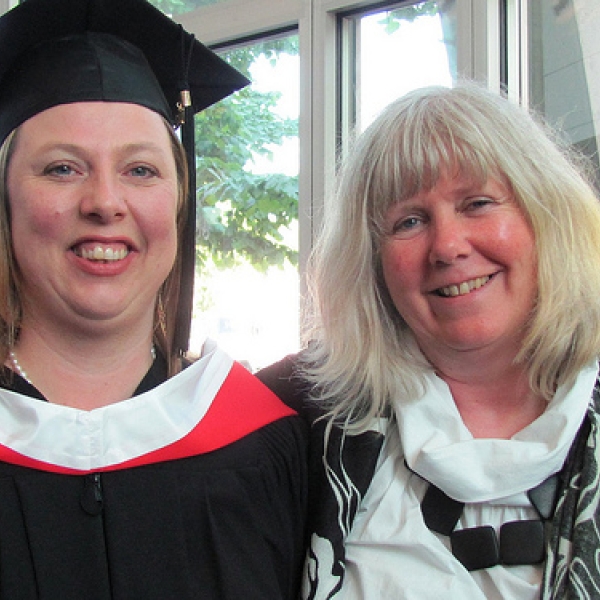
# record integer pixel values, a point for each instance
(521, 543)
(476, 547)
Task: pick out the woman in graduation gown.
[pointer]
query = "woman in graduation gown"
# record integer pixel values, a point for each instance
(125, 471)
(454, 350)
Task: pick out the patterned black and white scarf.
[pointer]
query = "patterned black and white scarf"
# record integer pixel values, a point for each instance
(573, 561)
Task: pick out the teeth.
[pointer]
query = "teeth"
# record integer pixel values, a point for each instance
(464, 288)
(99, 253)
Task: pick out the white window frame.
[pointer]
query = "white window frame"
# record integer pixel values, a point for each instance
(517, 48)
(7, 5)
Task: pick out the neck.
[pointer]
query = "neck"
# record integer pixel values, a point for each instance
(83, 373)
(493, 396)
(496, 409)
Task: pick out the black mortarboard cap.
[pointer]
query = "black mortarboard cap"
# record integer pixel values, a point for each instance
(175, 59)
(62, 51)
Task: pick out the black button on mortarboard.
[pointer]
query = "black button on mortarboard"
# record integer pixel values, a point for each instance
(440, 512)
(476, 548)
(522, 543)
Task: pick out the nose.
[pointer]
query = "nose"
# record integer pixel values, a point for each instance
(103, 198)
(449, 241)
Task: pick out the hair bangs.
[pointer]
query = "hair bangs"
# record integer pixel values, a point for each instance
(426, 146)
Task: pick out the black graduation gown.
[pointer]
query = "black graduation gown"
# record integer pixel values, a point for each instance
(227, 523)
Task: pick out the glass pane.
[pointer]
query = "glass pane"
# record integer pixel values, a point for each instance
(402, 49)
(247, 288)
(178, 7)
(247, 282)
(564, 68)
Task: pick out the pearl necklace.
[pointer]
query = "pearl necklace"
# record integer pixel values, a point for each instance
(17, 367)
(21, 371)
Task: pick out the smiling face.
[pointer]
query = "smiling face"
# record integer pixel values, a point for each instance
(459, 262)
(93, 199)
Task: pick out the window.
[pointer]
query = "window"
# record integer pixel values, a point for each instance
(392, 51)
(564, 68)
(247, 284)
(333, 64)
(247, 291)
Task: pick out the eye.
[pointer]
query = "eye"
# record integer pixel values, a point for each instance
(59, 170)
(477, 203)
(143, 171)
(407, 226)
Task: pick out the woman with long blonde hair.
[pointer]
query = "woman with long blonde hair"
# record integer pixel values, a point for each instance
(452, 362)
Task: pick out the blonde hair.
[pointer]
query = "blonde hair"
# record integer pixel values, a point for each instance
(165, 318)
(361, 352)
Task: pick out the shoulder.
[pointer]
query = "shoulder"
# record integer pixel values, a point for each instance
(350, 455)
(285, 380)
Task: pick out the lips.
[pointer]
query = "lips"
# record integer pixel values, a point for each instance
(464, 288)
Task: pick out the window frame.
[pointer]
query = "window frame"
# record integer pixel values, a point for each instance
(7, 5)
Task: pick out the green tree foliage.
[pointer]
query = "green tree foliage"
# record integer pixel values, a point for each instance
(175, 7)
(394, 18)
(242, 216)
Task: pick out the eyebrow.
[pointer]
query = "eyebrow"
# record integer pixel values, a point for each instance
(144, 145)
(129, 148)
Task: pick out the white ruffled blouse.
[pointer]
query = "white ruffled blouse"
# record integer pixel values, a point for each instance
(390, 551)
